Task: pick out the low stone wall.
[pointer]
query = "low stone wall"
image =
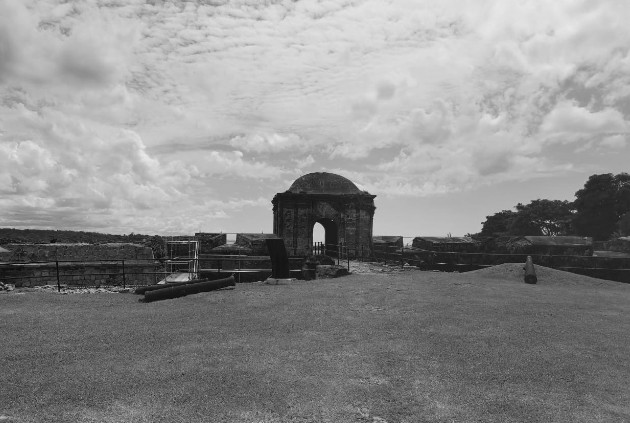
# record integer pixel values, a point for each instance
(80, 252)
(81, 274)
(208, 241)
(415, 256)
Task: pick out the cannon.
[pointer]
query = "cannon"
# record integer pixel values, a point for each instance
(186, 288)
(143, 289)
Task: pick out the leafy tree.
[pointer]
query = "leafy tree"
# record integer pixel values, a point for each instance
(542, 217)
(156, 243)
(497, 224)
(539, 217)
(600, 204)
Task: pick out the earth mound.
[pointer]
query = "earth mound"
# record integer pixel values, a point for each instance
(513, 272)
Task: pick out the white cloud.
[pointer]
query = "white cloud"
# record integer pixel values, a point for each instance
(305, 162)
(567, 117)
(615, 142)
(418, 98)
(269, 142)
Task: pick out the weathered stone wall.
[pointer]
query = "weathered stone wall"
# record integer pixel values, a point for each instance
(621, 245)
(80, 252)
(349, 217)
(79, 264)
(80, 274)
(208, 241)
(255, 242)
(461, 245)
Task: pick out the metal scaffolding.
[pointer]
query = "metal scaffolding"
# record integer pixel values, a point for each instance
(182, 256)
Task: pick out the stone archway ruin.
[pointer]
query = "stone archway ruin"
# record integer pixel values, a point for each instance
(345, 212)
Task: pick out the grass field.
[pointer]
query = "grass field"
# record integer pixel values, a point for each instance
(400, 347)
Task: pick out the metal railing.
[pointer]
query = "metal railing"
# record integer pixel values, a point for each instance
(135, 272)
(131, 272)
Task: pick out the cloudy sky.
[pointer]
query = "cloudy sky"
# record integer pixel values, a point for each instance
(153, 116)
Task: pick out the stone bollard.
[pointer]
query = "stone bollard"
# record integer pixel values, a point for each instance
(530, 272)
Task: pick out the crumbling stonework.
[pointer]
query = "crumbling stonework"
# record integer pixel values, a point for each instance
(345, 212)
(79, 251)
(255, 242)
(208, 241)
(79, 264)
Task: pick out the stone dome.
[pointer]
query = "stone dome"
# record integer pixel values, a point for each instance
(324, 183)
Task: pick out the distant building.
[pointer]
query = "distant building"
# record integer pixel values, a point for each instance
(453, 244)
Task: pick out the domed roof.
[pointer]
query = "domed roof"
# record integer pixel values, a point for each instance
(323, 183)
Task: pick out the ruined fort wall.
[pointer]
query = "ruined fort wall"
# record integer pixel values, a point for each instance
(80, 252)
(79, 274)
(79, 264)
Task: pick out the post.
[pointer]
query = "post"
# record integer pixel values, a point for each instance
(124, 278)
(239, 266)
(530, 272)
(58, 284)
(402, 255)
(339, 248)
(348, 257)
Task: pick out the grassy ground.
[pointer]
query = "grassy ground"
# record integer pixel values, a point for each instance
(405, 347)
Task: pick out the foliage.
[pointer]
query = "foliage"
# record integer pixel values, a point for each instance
(497, 224)
(542, 217)
(45, 236)
(601, 204)
(539, 217)
(156, 243)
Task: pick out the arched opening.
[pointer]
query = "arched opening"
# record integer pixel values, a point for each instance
(319, 233)
(325, 237)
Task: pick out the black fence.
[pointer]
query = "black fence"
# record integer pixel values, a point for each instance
(137, 272)
(341, 251)
(610, 268)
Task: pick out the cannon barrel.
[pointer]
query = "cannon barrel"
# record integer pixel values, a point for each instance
(182, 290)
(143, 289)
(530, 272)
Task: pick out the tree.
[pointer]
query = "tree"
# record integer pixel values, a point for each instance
(542, 217)
(497, 224)
(600, 205)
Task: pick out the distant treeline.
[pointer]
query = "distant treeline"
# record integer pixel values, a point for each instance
(45, 236)
(601, 210)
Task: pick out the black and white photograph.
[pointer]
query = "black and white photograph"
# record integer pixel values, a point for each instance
(305, 211)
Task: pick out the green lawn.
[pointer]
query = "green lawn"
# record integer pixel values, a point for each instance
(406, 347)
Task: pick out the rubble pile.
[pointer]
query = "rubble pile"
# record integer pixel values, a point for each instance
(376, 267)
(78, 290)
(6, 287)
